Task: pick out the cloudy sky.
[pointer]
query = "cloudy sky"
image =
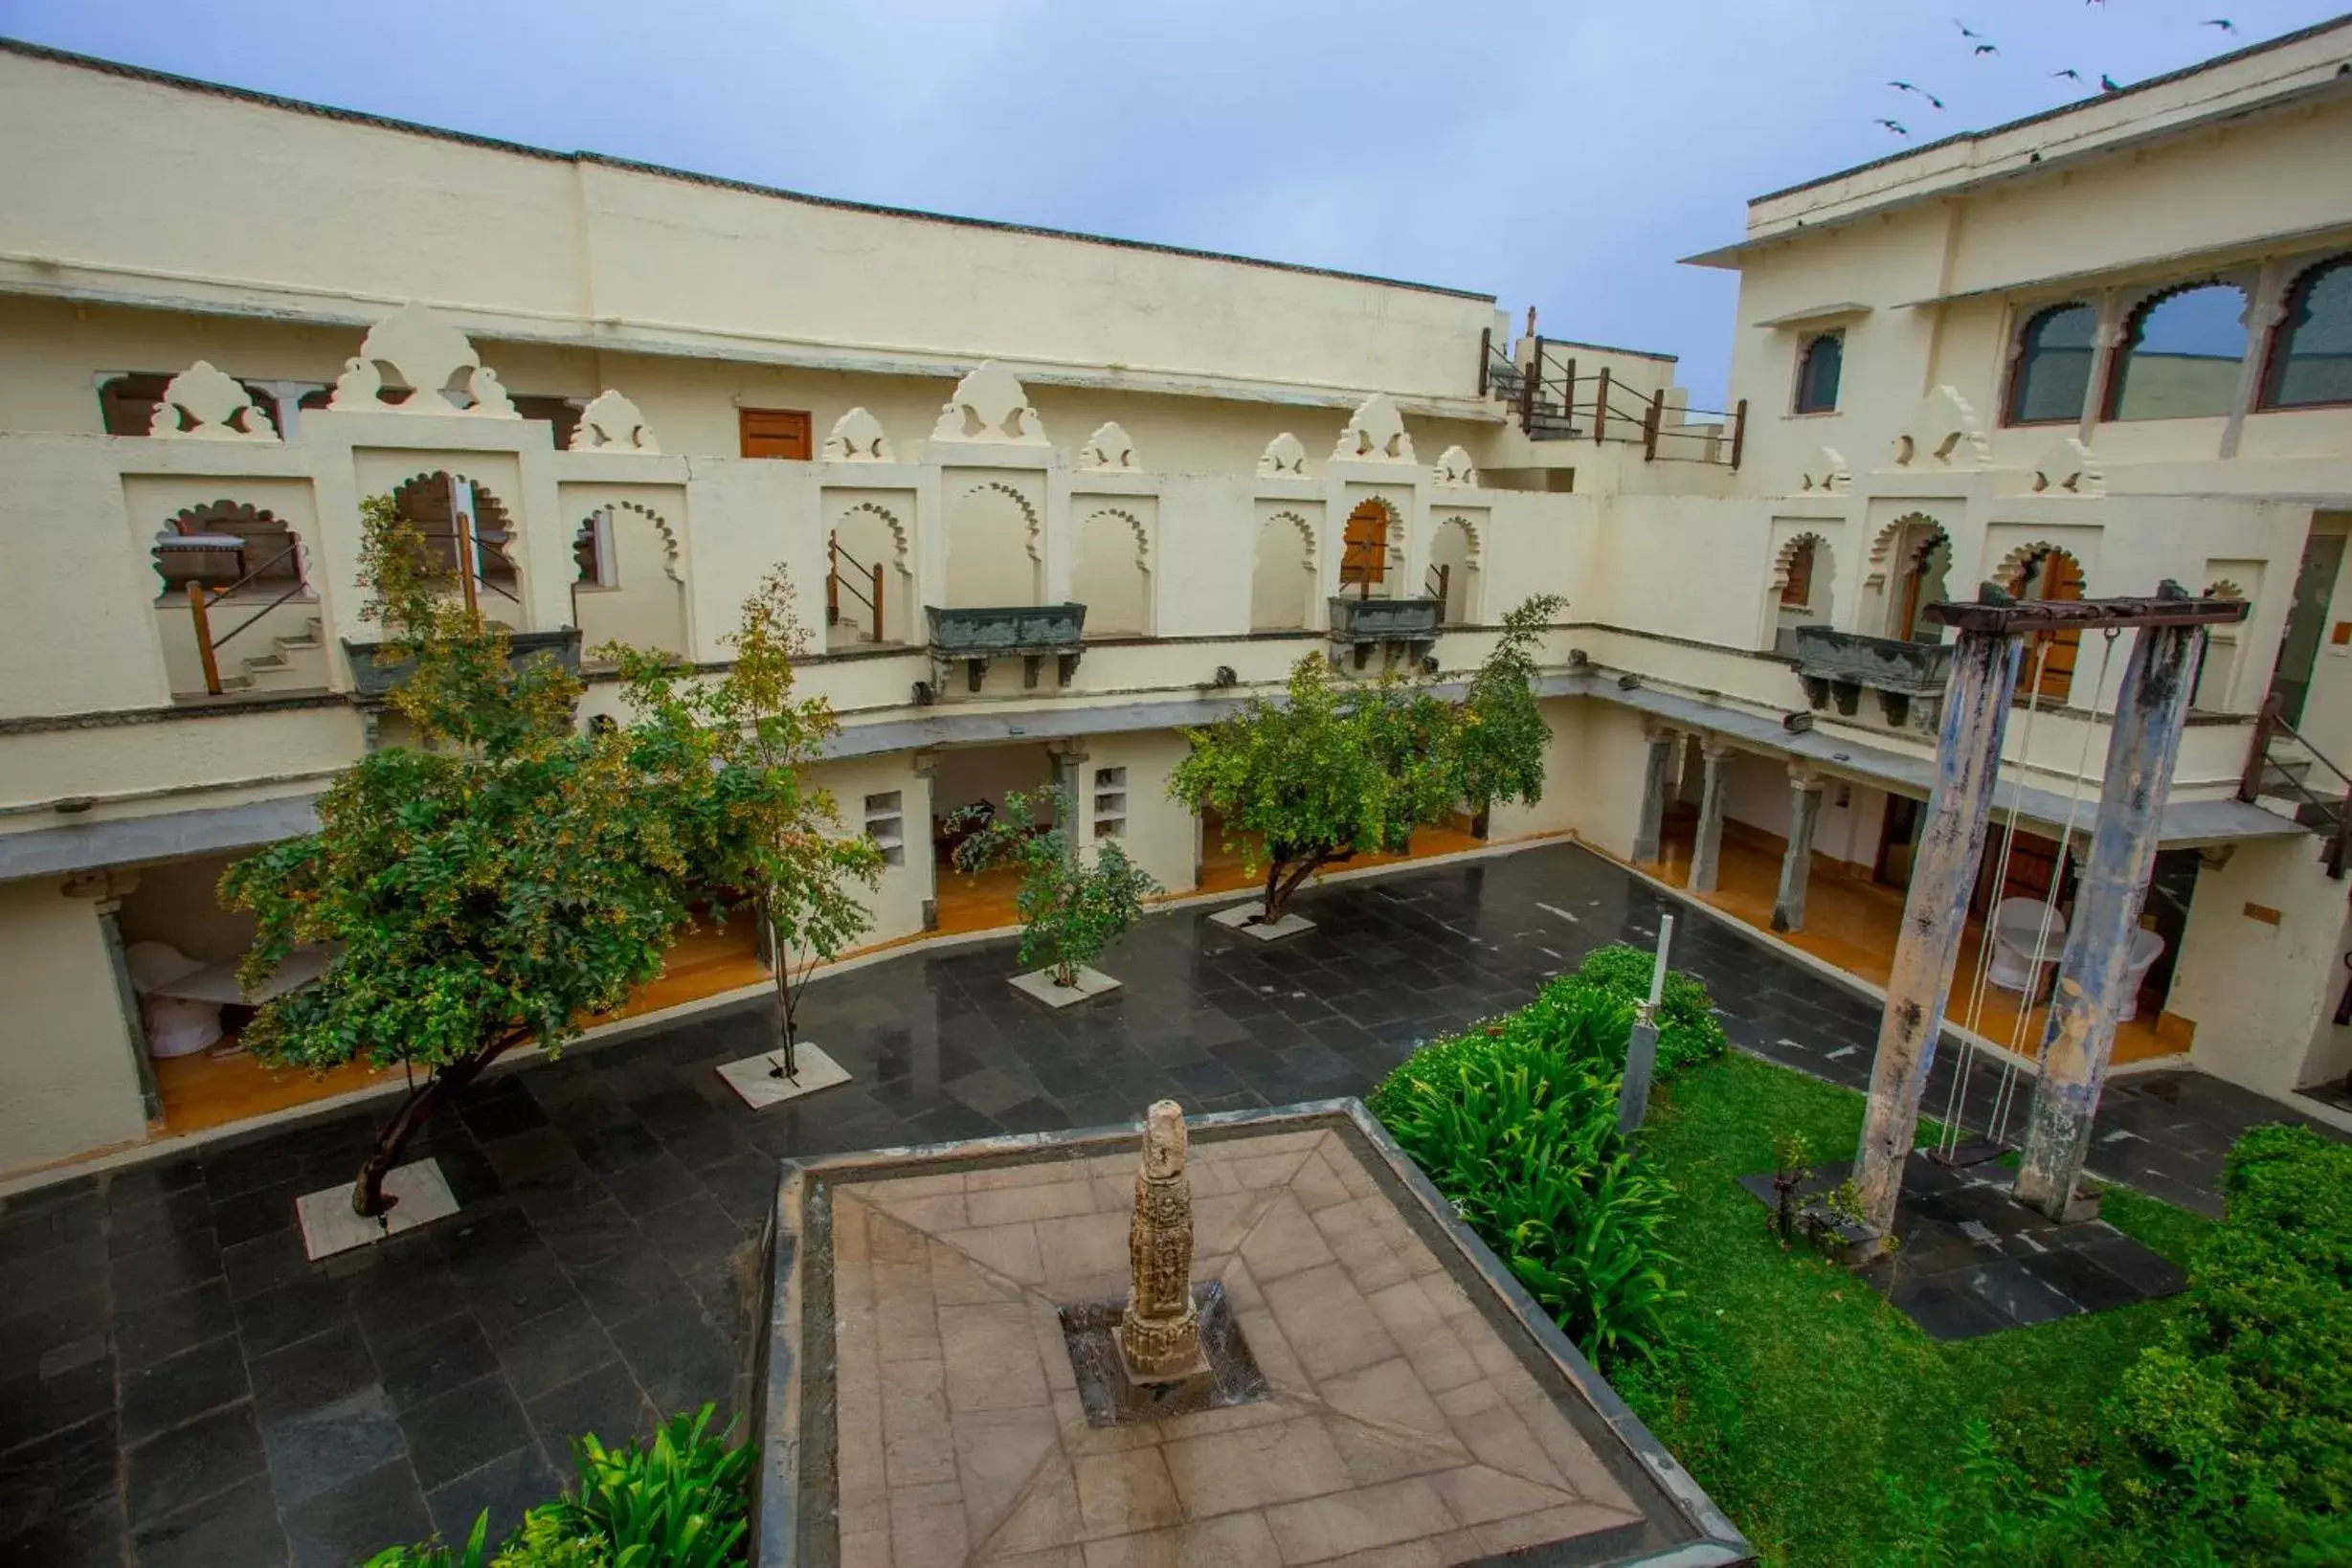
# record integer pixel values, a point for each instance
(1562, 154)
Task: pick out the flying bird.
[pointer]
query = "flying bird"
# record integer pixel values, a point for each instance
(1986, 49)
(2110, 83)
(1895, 127)
(1964, 30)
(2069, 73)
(1906, 87)
(2221, 22)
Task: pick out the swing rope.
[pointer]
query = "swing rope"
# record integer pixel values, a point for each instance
(2004, 1092)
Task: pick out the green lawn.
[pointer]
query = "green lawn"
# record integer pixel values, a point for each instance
(1794, 1384)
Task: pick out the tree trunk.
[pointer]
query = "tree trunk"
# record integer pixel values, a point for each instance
(1278, 889)
(367, 1199)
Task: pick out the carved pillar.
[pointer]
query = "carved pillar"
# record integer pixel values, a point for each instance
(925, 765)
(1705, 855)
(2104, 342)
(1657, 772)
(107, 889)
(1159, 1334)
(2266, 305)
(1797, 865)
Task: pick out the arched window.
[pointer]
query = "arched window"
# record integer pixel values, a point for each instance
(2045, 572)
(1818, 365)
(2311, 355)
(1796, 592)
(2052, 376)
(2179, 358)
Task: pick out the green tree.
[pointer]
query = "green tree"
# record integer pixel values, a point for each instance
(509, 876)
(1071, 908)
(1338, 768)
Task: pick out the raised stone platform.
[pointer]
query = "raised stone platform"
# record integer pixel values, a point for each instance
(921, 1406)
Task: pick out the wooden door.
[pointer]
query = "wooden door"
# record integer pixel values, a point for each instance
(1363, 557)
(2051, 575)
(774, 433)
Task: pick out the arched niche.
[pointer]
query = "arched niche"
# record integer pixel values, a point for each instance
(2044, 571)
(254, 547)
(994, 552)
(628, 588)
(1110, 573)
(1281, 577)
(1803, 580)
(1453, 571)
(1910, 568)
(1371, 550)
(426, 500)
(860, 537)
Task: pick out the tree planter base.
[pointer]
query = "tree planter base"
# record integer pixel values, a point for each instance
(1039, 985)
(329, 1226)
(1244, 919)
(758, 1081)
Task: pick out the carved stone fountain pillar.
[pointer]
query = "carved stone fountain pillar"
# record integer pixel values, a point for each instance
(1159, 1334)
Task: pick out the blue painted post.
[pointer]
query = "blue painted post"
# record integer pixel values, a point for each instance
(2143, 745)
(1976, 715)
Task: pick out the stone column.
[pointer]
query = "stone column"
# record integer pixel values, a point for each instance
(1707, 854)
(1159, 1333)
(2142, 748)
(106, 891)
(1657, 773)
(1797, 865)
(922, 805)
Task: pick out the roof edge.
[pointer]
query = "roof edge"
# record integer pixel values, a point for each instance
(357, 117)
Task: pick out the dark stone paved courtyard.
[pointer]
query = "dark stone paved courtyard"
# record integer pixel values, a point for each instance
(178, 1386)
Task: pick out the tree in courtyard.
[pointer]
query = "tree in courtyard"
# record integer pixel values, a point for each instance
(509, 876)
(1338, 768)
(1071, 907)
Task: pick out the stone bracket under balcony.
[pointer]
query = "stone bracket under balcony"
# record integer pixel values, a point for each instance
(1908, 677)
(1032, 633)
(1406, 626)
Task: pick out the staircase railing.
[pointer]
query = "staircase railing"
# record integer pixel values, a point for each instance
(200, 602)
(2329, 815)
(835, 585)
(1440, 578)
(1567, 406)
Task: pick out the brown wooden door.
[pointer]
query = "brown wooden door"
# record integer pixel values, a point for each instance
(2051, 575)
(1363, 558)
(774, 433)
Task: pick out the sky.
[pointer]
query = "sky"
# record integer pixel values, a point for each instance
(1562, 155)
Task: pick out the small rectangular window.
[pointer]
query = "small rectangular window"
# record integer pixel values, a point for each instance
(885, 824)
(774, 433)
(1109, 802)
(1819, 360)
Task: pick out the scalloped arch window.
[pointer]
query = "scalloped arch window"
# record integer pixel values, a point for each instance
(2179, 358)
(2053, 378)
(2311, 359)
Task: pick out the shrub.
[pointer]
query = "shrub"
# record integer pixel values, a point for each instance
(680, 1501)
(2245, 1412)
(1687, 1032)
(1516, 1125)
(1071, 907)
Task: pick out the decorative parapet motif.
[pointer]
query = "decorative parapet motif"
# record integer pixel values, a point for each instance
(217, 405)
(990, 404)
(1375, 433)
(429, 356)
(1284, 457)
(2070, 468)
(612, 423)
(1943, 432)
(1107, 448)
(857, 436)
(1827, 474)
(1455, 471)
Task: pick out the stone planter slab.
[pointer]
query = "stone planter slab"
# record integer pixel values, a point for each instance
(329, 1226)
(759, 1084)
(1039, 985)
(1243, 919)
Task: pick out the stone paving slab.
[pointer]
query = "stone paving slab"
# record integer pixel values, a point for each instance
(610, 1202)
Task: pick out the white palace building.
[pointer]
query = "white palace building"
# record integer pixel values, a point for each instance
(1049, 498)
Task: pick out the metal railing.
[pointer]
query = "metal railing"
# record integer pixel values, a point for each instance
(868, 595)
(1567, 406)
(2327, 815)
(1440, 579)
(200, 602)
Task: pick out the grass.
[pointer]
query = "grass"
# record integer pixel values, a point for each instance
(1793, 1385)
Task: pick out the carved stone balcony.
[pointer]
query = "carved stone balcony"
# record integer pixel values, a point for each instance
(1908, 677)
(1032, 633)
(371, 682)
(1402, 626)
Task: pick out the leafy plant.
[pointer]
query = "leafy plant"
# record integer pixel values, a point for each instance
(1989, 1516)
(1339, 767)
(1516, 1125)
(2244, 1410)
(1689, 1032)
(510, 876)
(1792, 1162)
(1071, 907)
(680, 1501)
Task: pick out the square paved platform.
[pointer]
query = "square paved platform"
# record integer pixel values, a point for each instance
(1412, 1413)
(1975, 1261)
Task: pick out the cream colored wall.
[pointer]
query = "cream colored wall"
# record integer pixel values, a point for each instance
(2263, 992)
(67, 1080)
(1160, 835)
(2328, 707)
(178, 902)
(896, 901)
(644, 605)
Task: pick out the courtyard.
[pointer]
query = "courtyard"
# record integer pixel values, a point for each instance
(180, 1386)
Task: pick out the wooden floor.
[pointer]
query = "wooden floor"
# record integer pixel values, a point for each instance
(975, 904)
(1224, 871)
(1851, 922)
